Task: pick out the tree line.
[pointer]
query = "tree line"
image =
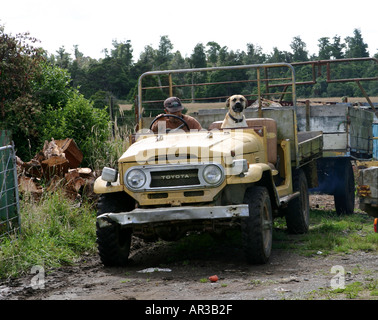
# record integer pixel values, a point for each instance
(117, 73)
(60, 95)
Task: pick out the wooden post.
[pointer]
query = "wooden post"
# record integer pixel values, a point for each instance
(111, 114)
(307, 115)
(170, 85)
(259, 92)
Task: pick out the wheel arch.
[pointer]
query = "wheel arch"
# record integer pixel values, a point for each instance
(267, 181)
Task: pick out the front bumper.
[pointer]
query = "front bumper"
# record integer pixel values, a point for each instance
(159, 215)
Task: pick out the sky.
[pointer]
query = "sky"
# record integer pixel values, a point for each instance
(94, 24)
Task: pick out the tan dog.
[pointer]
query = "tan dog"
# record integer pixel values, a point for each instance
(235, 115)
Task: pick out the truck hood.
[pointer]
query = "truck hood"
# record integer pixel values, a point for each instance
(196, 146)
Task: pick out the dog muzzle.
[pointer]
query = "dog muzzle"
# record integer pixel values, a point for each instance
(238, 107)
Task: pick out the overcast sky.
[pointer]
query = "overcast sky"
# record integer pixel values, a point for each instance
(93, 24)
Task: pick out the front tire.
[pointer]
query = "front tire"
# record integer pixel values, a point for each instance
(257, 229)
(113, 245)
(113, 241)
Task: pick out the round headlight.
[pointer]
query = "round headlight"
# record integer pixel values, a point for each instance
(135, 179)
(212, 174)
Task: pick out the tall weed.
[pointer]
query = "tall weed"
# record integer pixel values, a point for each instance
(55, 231)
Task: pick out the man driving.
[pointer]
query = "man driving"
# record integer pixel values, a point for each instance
(173, 117)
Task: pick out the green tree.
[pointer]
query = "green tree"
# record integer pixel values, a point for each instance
(337, 48)
(223, 54)
(96, 78)
(325, 48)
(279, 56)
(178, 62)
(356, 47)
(78, 55)
(101, 100)
(198, 57)
(114, 73)
(254, 54)
(212, 52)
(20, 65)
(117, 73)
(147, 60)
(78, 68)
(123, 51)
(38, 103)
(164, 53)
(88, 126)
(62, 58)
(198, 60)
(53, 86)
(299, 49)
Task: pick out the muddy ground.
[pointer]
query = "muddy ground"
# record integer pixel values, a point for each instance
(286, 276)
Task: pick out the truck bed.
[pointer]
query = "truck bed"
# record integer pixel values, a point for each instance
(310, 145)
(347, 130)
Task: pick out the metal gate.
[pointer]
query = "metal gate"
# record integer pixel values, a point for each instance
(10, 222)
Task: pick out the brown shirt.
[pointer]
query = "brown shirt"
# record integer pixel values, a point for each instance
(172, 123)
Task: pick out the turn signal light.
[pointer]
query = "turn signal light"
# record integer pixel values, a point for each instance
(375, 224)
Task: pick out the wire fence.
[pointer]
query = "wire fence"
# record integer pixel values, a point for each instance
(10, 222)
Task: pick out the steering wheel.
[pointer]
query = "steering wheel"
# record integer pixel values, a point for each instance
(184, 123)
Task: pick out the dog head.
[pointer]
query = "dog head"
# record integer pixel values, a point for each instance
(236, 103)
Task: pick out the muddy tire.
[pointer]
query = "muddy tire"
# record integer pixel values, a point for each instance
(345, 192)
(113, 241)
(297, 213)
(257, 229)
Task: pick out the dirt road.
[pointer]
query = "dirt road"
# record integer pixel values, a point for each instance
(286, 276)
(171, 271)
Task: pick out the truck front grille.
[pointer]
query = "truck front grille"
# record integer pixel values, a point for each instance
(162, 178)
(174, 178)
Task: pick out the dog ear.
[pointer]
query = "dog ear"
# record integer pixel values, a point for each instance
(245, 102)
(228, 103)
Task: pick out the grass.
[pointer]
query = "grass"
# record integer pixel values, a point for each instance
(55, 232)
(329, 233)
(366, 290)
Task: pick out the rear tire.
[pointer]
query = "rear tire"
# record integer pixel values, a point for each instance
(345, 191)
(257, 229)
(297, 213)
(114, 241)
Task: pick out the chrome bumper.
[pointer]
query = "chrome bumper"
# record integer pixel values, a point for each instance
(146, 216)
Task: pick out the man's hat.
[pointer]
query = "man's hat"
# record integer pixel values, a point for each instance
(173, 104)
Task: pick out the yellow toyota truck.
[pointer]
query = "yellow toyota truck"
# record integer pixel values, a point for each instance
(170, 183)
